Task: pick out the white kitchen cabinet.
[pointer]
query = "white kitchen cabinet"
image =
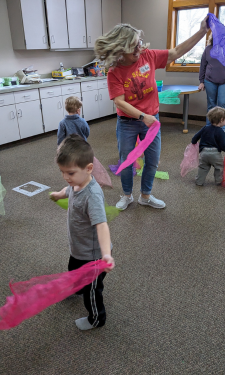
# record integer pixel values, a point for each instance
(96, 102)
(76, 23)
(52, 110)
(29, 118)
(111, 14)
(52, 107)
(90, 105)
(27, 24)
(9, 130)
(105, 104)
(57, 23)
(93, 21)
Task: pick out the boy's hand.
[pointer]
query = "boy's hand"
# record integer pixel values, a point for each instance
(55, 196)
(108, 259)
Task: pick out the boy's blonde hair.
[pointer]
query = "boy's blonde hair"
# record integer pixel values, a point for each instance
(216, 115)
(72, 104)
(111, 46)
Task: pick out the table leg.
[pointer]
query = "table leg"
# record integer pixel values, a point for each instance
(185, 112)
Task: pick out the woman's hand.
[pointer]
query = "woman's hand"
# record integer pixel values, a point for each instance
(204, 26)
(108, 259)
(148, 120)
(201, 87)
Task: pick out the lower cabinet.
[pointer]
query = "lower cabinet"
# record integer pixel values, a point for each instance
(52, 110)
(29, 118)
(9, 130)
(96, 104)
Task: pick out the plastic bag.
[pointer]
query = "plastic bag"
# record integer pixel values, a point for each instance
(191, 159)
(32, 296)
(100, 174)
(218, 32)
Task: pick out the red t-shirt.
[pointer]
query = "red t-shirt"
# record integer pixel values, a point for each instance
(137, 81)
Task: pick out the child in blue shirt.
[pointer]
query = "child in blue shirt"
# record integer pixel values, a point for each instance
(212, 142)
(72, 123)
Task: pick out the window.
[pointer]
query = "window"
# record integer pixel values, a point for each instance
(184, 19)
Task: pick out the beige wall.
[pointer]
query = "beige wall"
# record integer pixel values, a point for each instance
(151, 17)
(43, 61)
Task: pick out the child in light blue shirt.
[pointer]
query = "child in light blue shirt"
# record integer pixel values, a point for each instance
(72, 123)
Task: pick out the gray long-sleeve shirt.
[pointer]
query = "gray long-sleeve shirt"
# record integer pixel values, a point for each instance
(211, 69)
(72, 124)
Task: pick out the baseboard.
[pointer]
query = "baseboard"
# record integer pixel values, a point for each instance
(180, 115)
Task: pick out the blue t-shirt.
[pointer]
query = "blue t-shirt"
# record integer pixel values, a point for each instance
(72, 124)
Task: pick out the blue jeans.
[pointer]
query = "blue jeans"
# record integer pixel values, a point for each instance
(215, 96)
(127, 132)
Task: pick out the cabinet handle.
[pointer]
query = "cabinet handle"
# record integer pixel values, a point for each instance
(96, 97)
(2, 101)
(59, 105)
(50, 92)
(100, 96)
(26, 96)
(89, 39)
(89, 85)
(19, 113)
(84, 39)
(12, 116)
(52, 39)
(71, 90)
(44, 39)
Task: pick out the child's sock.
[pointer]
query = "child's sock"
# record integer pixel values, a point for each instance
(83, 324)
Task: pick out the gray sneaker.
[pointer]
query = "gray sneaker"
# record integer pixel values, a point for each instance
(152, 201)
(124, 202)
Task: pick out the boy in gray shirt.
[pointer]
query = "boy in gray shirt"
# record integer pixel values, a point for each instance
(72, 123)
(88, 231)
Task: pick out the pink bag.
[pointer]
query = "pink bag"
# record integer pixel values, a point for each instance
(32, 296)
(100, 174)
(191, 159)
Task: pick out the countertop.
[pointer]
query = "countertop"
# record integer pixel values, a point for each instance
(48, 84)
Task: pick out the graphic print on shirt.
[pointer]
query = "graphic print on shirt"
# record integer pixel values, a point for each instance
(136, 86)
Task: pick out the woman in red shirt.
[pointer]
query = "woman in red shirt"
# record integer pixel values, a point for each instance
(132, 87)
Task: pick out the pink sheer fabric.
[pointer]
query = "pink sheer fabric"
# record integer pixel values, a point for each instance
(100, 174)
(32, 296)
(141, 147)
(191, 159)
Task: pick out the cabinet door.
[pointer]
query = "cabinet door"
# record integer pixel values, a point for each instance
(76, 23)
(78, 94)
(29, 118)
(57, 23)
(90, 105)
(111, 14)
(52, 110)
(105, 104)
(93, 21)
(9, 130)
(35, 33)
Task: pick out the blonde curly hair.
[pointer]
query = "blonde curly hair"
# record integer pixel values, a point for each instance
(111, 46)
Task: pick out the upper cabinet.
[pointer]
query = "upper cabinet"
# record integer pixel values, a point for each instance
(70, 23)
(57, 24)
(76, 23)
(93, 21)
(27, 24)
(111, 14)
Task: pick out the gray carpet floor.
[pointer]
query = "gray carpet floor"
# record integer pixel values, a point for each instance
(164, 299)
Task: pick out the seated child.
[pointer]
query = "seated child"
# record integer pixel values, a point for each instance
(212, 142)
(72, 123)
(88, 231)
